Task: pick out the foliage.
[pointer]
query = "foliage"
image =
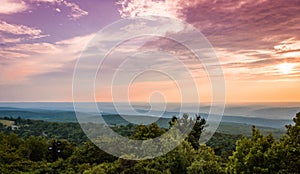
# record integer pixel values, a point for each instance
(90, 153)
(26, 128)
(144, 132)
(223, 144)
(28, 153)
(260, 154)
(205, 161)
(185, 122)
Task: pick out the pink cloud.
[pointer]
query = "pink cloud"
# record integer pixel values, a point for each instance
(19, 29)
(169, 8)
(149, 7)
(22, 61)
(250, 37)
(12, 6)
(15, 33)
(174, 8)
(76, 11)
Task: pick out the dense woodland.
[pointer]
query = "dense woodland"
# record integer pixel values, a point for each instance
(24, 148)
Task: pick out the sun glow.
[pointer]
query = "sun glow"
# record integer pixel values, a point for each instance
(285, 68)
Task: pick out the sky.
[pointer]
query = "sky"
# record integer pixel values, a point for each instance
(257, 43)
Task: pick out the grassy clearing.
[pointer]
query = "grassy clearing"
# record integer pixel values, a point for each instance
(7, 122)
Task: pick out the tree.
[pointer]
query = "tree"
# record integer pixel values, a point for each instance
(10, 148)
(194, 136)
(67, 149)
(90, 153)
(179, 159)
(13, 152)
(265, 155)
(144, 132)
(285, 154)
(37, 148)
(292, 141)
(250, 155)
(185, 122)
(205, 161)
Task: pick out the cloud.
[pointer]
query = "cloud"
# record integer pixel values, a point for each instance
(251, 66)
(148, 7)
(250, 37)
(76, 11)
(14, 33)
(21, 62)
(19, 29)
(6, 40)
(169, 8)
(58, 10)
(233, 24)
(45, 68)
(12, 6)
(288, 48)
(253, 25)
(176, 8)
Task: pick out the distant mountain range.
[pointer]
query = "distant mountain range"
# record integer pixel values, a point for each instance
(115, 119)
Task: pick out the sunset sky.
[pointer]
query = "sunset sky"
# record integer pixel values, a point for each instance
(256, 41)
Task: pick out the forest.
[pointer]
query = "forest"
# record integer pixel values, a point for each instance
(32, 146)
